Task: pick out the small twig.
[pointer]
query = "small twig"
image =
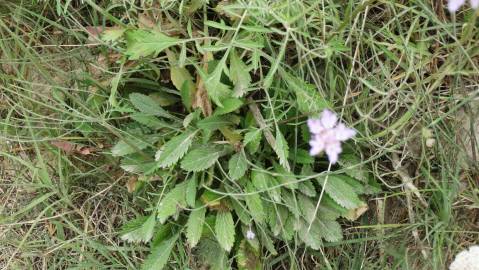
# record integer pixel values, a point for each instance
(380, 212)
(473, 141)
(412, 219)
(260, 121)
(407, 180)
(410, 188)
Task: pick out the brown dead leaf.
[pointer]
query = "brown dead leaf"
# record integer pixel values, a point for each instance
(86, 150)
(355, 213)
(201, 99)
(102, 63)
(95, 32)
(131, 184)
(146, 21)
(150, 20)
(50, 228)
(64, 145)
(71, 148)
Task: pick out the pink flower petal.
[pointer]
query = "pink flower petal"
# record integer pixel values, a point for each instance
(474, 4)
(315, 126)
(333, 151)
(454, 5)
(344, 133)
(317, 146)
(327, 135)
(328, 119)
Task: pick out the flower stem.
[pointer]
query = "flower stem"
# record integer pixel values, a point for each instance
(320, 197)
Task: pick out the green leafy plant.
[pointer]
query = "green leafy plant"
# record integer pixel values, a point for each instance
(230, 155)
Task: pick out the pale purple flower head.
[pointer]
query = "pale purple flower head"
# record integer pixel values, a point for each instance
(327, 133)
(250, 234)
(454, 5)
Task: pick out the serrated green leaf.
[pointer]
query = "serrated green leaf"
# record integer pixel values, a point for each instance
(225, 230)
(229, 105)
(307, 96)
(187, 93)
(265, 182)
(171, 202)
(141, 43)
(137, 163)
(211, 199)
(358, 187)
(201, 158)
(241, 212)
(122, 148)
(237, 166)
(260, 180)
(358, 172)
(311, 238)
(136, 142)
(212, 254)
(268, 80)
(330, 230)
(148, 105)
(163, 97)
(191, 186)
(247, 258)
(139, 230)
(152, 122)
(174, 149)
(307, 207)
(162, 233)
(281, 148)
(190, 117)
(233, 136)
(194, 226)
(181, 79)
(159, 254)
(326, 212)
(214, 122)
(267, 242)
(216, 90)
(329, 203)
(288, 179)
(328, 209)
(305, 134)
(332, 210)
(291, 203)
(288, 227)
(252, 140)
(239, 75)
(307, 188)
(282, 222)
(301, 156)
(147, 120)
(340, 191)
(255, 204)
(274, 218)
